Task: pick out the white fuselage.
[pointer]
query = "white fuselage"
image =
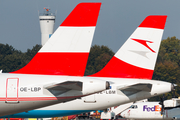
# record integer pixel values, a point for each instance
(150, 111)
(21, 92)
(100, 100)
(113, 96)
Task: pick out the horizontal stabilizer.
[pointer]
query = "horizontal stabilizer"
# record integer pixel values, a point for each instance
(132, 89)
(68, 85)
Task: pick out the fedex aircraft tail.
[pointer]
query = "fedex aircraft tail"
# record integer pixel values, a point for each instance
(67, 51)
(137, 57)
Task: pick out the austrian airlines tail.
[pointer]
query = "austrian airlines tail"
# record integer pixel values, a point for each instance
(137, 57)
(67, 51)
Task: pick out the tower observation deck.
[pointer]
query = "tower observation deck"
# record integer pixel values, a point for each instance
(47, 20)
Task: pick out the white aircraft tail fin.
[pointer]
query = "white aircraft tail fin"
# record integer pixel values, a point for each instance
(67, 51)
(137, 57)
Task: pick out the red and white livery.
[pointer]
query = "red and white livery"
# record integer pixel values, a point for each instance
(137, 57)
(55, 73)
(127, 73)
(67, 51)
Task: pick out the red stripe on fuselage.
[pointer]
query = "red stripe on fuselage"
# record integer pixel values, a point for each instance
(120, 69)
(36, 98)
(84, 14)
(54, 63)
(154, 21)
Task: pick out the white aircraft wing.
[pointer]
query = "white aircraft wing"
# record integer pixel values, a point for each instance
(65, 86)
(132, 89)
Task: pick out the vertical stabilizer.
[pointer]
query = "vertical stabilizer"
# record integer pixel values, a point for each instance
(66, 52)
(137, 57)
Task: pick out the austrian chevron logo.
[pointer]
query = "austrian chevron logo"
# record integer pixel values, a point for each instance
(144, 42)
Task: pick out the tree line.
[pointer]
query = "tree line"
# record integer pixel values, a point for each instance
(167, 66)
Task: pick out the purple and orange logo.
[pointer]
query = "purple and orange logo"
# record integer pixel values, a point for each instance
(148, 109)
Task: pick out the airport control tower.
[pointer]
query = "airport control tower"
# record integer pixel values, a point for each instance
(47, 20)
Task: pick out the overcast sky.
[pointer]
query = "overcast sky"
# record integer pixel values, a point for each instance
(19, 22)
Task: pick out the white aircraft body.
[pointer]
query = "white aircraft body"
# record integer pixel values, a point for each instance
(114, 112)
(152, 110)
(129, 73)
(55, 74)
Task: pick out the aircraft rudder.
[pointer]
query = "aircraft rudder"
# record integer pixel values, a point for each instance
(89, 18)
(154, 21)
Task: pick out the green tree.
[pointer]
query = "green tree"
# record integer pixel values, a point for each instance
(168, 65)
(99, 56)
(31, 53)
(169, 50)
(12, 59)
